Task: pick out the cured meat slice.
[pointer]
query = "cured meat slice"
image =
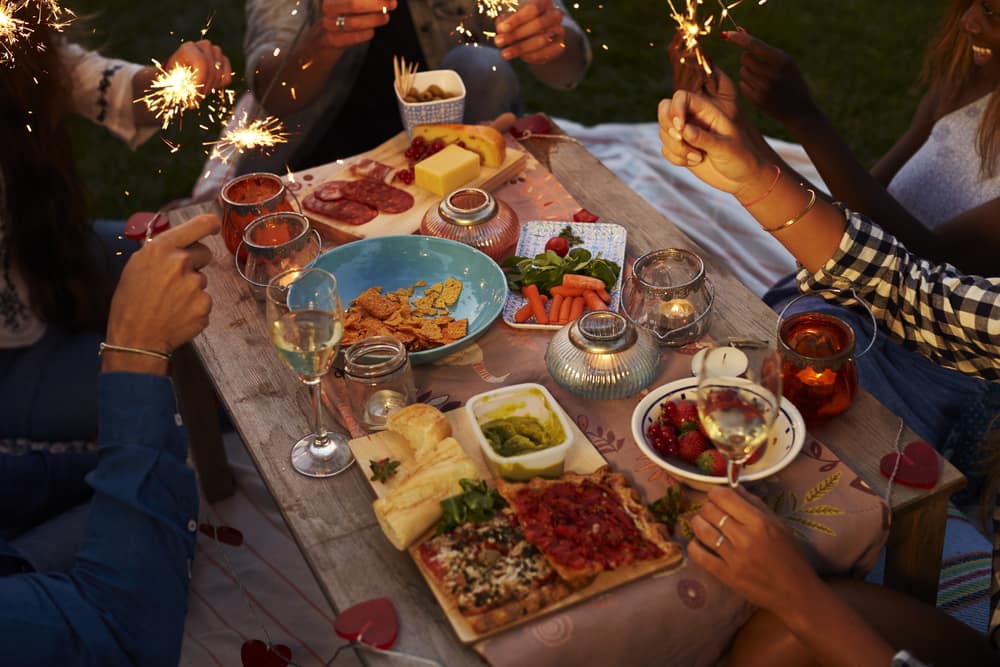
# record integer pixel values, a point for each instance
(368, 168)
(385, 198)
(342, 210)
(331, 190)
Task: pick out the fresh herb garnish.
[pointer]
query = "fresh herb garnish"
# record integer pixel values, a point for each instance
(477, 503)
(567, 233)
(383, 469)
(668, 508)
(547, 269)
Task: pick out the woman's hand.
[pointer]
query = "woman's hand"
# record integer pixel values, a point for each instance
(744, 545)
(534, 33)
(697, 134)
(211, 66)
(350, 22)
(771, 81)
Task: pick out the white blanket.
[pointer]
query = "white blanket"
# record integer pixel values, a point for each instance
(713, 219)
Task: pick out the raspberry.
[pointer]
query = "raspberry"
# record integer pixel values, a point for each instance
(668, 412)
(418, 141)
(691, 445)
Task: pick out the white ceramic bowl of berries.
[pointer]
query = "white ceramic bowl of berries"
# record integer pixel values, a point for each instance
(666, 427)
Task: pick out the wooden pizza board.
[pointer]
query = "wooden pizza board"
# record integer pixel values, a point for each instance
(582, 458)
(384, 224)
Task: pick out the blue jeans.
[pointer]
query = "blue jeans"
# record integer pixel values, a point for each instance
(48, 390)
(948, 409)
(491, 84)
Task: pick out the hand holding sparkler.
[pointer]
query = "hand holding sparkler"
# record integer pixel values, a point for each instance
(193, 71)
(534, 32)
(771, 81)
(350, 22)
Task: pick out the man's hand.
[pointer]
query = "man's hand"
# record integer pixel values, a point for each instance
(210, 64)
(534, 33)
(160, 302)
(350, 22)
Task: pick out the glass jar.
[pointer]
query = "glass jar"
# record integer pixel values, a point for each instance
(474, 217)
(379, 379)
(603, 356)
(669, 295)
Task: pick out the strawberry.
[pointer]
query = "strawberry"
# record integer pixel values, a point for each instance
(711, 462)
(691, 445)
(687, 411)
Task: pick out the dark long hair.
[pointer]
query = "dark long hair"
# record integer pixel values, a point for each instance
(47, 234)
(947, 67)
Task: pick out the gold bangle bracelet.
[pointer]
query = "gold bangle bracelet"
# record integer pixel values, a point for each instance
(805, 211)
(103, 347)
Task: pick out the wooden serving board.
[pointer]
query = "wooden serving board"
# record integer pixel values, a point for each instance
(304, 182)
(582, 458)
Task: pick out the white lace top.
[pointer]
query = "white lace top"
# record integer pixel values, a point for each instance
(942, 178)
(102, 92)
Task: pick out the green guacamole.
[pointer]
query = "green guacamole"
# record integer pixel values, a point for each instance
(512, 436)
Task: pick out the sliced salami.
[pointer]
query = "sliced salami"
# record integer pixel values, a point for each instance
(368, 168)
(385, 198)
(331, 190)
(342, 210)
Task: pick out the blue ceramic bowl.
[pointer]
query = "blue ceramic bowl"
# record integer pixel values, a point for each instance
(393, 262)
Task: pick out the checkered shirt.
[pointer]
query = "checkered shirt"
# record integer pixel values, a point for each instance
(937, 311)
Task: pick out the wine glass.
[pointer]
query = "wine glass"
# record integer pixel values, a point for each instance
(306, 322)
(739, 395)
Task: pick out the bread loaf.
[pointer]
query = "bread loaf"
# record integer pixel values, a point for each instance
(481, 139)
(423, 425)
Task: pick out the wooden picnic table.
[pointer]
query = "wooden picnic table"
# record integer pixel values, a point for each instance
(332, 521)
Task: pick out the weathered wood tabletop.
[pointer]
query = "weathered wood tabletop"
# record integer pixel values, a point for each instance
(332, 520)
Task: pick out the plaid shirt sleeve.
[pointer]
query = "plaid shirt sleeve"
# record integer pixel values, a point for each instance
(937, 311)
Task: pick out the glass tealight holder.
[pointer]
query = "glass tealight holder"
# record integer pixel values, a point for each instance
(474, 217)
(669, 295)
(603, 356)
(379, 380)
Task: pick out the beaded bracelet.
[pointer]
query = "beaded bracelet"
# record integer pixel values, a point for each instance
(777, 175)
(133, 350)
(805, 211)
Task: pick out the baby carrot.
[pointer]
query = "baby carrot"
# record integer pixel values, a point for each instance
(593, 301)
(577, 309)
(565, 291)
(530, 292)
(577, 281)
(523, 313)
(567, 307)
(557, 301)
(603, 294)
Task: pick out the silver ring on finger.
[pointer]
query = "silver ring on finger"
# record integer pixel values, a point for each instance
(341, 22)
(718, 542)
(722, 522)
(553, 36)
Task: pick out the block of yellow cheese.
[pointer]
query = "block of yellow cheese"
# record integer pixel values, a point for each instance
(481, 139)
(446, 170)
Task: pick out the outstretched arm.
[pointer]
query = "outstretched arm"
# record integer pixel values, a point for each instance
(548, 40)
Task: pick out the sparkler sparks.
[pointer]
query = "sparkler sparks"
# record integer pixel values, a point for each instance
(247, 135)
(494, 8)
(691, 28)
(171, 93)
(14, 29)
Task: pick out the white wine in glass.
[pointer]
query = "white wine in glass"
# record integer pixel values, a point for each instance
(739, 395)
(306, 323)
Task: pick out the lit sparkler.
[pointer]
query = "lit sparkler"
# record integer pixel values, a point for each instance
(14, 29)
(691, 28)
(171, 93)
(491, 9)
(263, 133)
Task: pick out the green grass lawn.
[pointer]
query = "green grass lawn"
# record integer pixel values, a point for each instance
(861, 58)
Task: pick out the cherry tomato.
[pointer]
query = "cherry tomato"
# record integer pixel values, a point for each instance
(558, 245)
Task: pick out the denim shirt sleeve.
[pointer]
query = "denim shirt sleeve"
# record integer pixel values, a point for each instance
(125, 599)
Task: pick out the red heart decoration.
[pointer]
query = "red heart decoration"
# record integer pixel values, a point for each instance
(256, 653)
(373, 622)
(224, 534)
(918, 468)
